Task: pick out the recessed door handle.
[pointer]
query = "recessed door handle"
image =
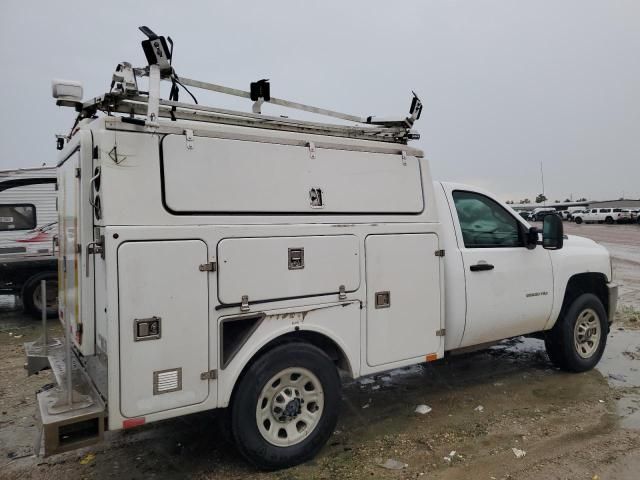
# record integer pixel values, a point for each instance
(479, 267)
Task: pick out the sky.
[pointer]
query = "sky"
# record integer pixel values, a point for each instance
(507, 86)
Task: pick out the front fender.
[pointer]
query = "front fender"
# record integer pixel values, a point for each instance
(578, 256)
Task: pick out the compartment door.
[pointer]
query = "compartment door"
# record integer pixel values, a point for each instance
(161, 362)
(403, 297)
(70, 271)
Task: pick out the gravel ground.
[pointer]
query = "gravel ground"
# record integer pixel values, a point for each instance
(571, 426)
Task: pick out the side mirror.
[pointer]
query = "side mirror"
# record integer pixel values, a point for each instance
(552, 232)
(531, 238)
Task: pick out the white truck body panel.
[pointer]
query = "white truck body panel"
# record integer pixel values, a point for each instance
(164, 373)
(76, 286)
(260, 267)
(403, 298)
(273, 178)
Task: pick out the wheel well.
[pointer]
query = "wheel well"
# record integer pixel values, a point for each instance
(592, 282)
(324, 343)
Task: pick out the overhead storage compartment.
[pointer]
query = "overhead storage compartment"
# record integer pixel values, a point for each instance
(217, 176)
(274, 268)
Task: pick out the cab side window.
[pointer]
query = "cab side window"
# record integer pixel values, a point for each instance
(485, 223)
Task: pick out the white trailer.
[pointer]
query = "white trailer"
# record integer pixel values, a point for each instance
(214, 259)
(28, 226)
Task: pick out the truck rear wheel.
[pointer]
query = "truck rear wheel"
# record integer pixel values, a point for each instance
(576, 343)
(286, 406)
(608, 220)
(578, 220)
(32, 294)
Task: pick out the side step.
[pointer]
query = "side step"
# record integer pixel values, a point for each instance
(67, 421)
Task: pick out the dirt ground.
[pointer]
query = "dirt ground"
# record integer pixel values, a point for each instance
(484, 405)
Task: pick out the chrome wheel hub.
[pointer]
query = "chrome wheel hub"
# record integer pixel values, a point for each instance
(289, 407)
(587, 333)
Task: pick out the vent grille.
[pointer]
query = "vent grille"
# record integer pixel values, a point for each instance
(165, 381)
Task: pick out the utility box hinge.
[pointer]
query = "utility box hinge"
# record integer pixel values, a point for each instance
(441, 332)
(77, 172)
(312, 150)
(189, 138)
(208, 267)
(342, 292)
(404, 158)
(439, 253)
(244, 306)
(210, 375)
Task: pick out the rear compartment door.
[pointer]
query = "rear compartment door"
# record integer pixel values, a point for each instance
(164, 325)
(403, 297)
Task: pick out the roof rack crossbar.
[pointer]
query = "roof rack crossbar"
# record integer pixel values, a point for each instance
(190, 112)
(276, 101)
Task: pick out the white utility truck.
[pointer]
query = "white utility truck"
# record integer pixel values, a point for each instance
(218, 259)
(606, 215)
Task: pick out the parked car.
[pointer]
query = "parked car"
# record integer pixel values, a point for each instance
(574, 213)
(634, 215)
(603, 215)
(539, 213)
(573, 210)
(564, 214)
(524, 214)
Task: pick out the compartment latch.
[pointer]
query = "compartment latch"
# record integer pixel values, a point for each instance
(208, 267)
(296, 258)
(244, 306)
(146, 328)
(342, 292)
(189, 138)
(383, 299)
(209, 375)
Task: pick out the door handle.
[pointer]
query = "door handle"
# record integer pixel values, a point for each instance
(479, 267)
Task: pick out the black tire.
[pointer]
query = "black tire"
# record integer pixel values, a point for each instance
(560, 341)
(30, 294)
(578, 220)
(608, 220)
(244, 424)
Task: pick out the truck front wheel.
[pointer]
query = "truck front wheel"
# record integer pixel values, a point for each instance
(286, 406)
(578, 220)
(576, 343)
(32, 295)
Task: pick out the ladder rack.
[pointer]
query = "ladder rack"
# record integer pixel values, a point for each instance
(146, 108)
(137, 107)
